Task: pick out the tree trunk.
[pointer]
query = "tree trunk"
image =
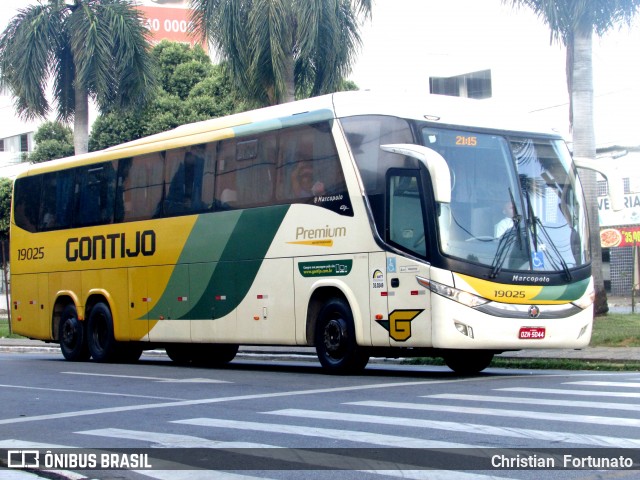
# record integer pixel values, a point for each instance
(584, 146)
(81, 121)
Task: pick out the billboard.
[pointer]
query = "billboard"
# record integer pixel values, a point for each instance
(168, 20)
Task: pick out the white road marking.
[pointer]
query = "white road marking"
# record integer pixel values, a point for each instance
(558, 391)
(155, 379)
(553, 438)
(89, 392)
(537, 401)
(519, 414)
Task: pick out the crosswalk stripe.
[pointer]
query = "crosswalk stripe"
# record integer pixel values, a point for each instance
(594, 383)
(559, 391)
(353, 436)
(168, 440)
(519, 414)
(537, 401)
(554, 438)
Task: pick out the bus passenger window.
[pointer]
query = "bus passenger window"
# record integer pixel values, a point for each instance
(184, 174)
(57, 200)
(95, 194)
(246, 171)
(26, 202)
(308, 165)
(140, 187)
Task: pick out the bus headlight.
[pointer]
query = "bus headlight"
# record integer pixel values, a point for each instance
(586, 300)
(457, 295)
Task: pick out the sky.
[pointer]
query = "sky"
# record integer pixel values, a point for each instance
(406, 41)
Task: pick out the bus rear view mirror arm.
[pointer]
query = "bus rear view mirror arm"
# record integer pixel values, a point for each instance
(612, 175)
(437, 166)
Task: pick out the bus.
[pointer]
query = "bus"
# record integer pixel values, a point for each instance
(356, 224)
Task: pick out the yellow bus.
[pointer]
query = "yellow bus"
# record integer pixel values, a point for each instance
(361, 225)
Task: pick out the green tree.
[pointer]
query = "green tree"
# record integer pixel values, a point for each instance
(573, 23)
(6, 189)
(191, 89)
(53, 140)
(277, 49)
(91, 49)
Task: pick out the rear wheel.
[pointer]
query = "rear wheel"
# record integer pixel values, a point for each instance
(468, 362)
(101, 341)
(335, 339)
(181, 353)
(72, 335)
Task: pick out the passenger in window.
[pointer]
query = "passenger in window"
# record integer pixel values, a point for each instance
(303, 183)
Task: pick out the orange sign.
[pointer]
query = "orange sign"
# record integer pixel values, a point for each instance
(167, 23)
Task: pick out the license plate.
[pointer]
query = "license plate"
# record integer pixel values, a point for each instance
(532, 333)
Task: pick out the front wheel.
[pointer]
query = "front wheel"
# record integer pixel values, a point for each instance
(335, 339)
(467, 362)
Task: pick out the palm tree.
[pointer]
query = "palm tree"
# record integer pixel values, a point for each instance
(90, 48)
(573, 23)
(276, 49)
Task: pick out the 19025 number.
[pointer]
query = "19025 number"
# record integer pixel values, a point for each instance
(36, 253)
(509, 293)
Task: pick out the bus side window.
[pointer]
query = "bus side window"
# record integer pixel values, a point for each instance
(95, 194)
(57, 200)
(406, 221)
(26, 202)
(184, 177)
(140, 187)
(308, 164)
(246, 172)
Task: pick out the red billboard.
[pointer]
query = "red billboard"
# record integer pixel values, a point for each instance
(168, 20)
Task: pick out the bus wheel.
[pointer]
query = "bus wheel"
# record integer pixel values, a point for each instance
(128, 352)
(71, 331)
(335, 339)
(468, 362)
(214, 355)
(180, 353)
(102, 345)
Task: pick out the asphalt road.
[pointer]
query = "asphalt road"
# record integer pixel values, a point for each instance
(393, 421)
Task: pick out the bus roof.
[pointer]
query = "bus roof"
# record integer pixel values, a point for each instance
(440, 109)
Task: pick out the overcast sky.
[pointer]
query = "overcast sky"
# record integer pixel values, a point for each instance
(409, 40)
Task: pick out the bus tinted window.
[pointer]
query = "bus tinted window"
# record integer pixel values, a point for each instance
(140, 187)
(95, 197)
(57, 200)
(246, 172)
(188, 181)
(26, 202)
(308, 164)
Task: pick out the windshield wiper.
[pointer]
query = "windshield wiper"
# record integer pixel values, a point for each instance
(507, 240)
(533, 221)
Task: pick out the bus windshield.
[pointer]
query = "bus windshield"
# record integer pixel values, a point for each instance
(514, 202)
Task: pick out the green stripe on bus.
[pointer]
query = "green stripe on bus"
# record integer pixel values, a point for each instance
(224, 253)
(569, 292)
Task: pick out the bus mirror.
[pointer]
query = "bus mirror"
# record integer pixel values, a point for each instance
(612, 175)
(437, 166)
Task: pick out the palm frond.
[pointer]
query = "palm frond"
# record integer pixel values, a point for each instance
(27, 52)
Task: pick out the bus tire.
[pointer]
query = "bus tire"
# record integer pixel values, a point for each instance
(335, 339)
(102, 344)
(214, 355)
(467, 362)
(180, 353)
(72, 335)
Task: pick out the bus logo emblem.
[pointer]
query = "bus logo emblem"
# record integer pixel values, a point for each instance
(534, 311)
(399, 324)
